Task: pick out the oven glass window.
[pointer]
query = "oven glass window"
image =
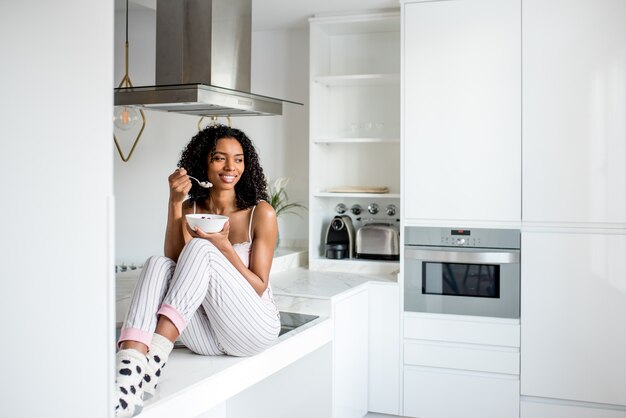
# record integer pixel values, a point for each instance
(475, 280)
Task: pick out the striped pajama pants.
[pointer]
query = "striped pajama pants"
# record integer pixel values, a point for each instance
(211, 304)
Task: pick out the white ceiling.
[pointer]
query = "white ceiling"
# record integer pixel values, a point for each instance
(283, 14)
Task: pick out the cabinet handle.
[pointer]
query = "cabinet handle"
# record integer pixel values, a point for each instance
(452, 256)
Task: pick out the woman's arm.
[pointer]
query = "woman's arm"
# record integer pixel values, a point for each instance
(265, 232)
(174, 238)
(265, 227)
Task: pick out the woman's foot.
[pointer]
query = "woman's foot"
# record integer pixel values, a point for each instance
(130, 371)
(158, 355)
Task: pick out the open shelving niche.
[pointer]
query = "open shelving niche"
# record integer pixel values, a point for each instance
(354, 124)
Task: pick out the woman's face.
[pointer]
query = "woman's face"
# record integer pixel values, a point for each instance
(226, 163)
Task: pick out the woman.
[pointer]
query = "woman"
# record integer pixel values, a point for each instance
(212, 290)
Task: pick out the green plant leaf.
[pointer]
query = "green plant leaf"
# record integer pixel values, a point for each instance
(279, 199)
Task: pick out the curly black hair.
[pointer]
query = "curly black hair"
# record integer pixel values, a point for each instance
(252, 186)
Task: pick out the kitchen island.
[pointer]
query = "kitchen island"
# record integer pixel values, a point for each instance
(299, 369)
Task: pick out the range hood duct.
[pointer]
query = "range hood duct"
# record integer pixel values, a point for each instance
(203, 50)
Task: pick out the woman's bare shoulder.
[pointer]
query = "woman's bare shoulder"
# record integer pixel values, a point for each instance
(264, 211)
(264, 223)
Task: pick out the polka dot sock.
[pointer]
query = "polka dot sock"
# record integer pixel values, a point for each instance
(159, 352)
(130, 370)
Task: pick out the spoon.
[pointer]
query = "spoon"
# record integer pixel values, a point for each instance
(205, 184)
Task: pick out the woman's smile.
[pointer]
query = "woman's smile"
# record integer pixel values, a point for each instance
(227, 178)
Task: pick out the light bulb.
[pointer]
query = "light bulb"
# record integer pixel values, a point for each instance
(125, 118)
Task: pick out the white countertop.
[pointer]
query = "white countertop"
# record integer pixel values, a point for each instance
(321, 284)
(189, 377)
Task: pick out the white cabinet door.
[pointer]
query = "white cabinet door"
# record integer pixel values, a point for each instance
(572, 314)
(448, 393)
(350, 356)
(462, 110)
(303, 390)
(384, 348)
(574, 111)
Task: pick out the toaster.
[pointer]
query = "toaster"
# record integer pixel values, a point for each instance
(378, 241)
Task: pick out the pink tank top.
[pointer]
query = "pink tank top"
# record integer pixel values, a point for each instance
(243, 248)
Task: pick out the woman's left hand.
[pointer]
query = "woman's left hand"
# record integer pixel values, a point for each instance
(219, 239)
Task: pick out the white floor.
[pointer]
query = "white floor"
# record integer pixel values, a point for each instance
(375, 415)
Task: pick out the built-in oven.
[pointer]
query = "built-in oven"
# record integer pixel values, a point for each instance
(462, 271)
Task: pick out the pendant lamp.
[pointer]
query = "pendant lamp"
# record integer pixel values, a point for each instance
(126, 118)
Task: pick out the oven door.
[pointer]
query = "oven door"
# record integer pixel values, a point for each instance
(462, 281)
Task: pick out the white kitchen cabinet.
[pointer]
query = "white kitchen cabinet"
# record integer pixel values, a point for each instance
(448, 393)
(574, 89)
(574, 209)
(303, 390)
(384, 348)
(366, 351)
(461, 121)
(460, 366)
(350, 355)
(354, 123)
(573, 309)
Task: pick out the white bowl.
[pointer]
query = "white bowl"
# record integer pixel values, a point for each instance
(206, 221)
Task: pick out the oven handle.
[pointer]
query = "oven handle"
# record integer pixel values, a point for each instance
(452, 256)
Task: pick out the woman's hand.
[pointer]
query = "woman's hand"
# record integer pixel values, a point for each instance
(219, 239)
(179, 185)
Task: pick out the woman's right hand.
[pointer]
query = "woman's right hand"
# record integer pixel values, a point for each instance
(180, 185)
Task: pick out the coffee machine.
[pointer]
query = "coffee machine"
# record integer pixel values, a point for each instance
(340, 238)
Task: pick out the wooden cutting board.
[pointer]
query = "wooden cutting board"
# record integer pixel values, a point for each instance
(358, 189)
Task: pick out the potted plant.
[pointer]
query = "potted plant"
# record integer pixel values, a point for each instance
(279, 200)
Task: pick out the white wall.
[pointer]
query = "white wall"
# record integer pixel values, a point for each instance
(56, 217)
(279, 69)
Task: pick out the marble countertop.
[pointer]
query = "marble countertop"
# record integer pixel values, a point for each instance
(302, 282)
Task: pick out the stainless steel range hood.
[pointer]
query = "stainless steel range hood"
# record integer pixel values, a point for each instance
(202, 62)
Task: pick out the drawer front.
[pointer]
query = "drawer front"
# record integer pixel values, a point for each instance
(461, 356)
(445, 328)
(445, 394)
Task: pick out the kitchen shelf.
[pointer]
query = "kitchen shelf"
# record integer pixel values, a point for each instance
(357, 80)
(359, 195)
(347, 140)
(354, 122)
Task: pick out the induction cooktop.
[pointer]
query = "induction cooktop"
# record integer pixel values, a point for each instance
(291, 320)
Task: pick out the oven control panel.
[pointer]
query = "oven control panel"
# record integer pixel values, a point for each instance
(466, 241)
(457, 237)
